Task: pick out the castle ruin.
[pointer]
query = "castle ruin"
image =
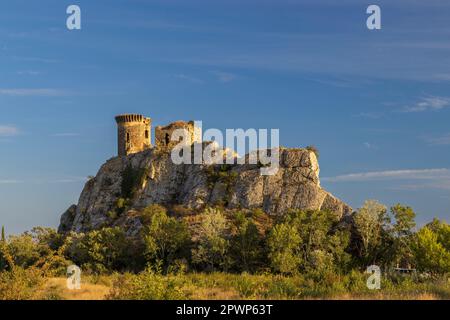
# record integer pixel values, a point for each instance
(163, 135)
(134, 134)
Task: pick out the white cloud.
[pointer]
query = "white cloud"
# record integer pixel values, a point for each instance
(441, 185)
(28, 73)
(370, 146)
(442, 76)
(429, 104)
(23, 92)
(188, 78)
(224, 76)
(68, 180)
(369, 115)
(65, 134)
(421, 174)
(5, 181)
(8, 131)
(56, 180)
(439, 141)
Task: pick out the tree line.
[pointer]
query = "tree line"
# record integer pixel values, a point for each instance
(234, 241)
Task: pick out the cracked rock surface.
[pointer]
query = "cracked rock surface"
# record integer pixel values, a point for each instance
(296, 185)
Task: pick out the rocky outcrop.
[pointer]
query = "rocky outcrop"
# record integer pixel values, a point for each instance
(67, 218)
(157, 180)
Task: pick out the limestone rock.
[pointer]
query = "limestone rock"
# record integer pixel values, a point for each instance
(67, 218)
(296, 185)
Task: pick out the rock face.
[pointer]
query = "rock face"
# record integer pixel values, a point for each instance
(157, 180)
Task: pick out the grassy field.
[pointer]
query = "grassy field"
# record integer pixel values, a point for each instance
(57, 289)
(229, 286)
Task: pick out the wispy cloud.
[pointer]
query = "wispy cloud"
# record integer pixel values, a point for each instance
(67, 179)
(35, 59)
(439, 141)
(6, 181)
(369, 115)
(65, 134)
(8, 131)
(442, 76)
(370, 146)
(188, 78)
(24, 92)
(28, 73)
(443, 184)
(420, 174)
(224, 76)
(428, 104)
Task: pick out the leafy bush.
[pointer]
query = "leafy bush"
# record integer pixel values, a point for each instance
(20, 283)
(101, 250)
(284, 245)
(308, 240)
(246, 243)
(431, 248)
(148, 285)
(313, 149)
(132, 179)
(164, 237)
(147, 214)
(222, 174)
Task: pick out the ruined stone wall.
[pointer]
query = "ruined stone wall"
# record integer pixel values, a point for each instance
(133, 133)
(163, 135)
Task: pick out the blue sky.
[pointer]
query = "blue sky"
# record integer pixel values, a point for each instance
(375, 103)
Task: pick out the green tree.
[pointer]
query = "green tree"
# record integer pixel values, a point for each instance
(284, 246)
(370, 223)
(309, 241)
(442, 229)
(213, 243)
(24, 250)
(99, 251)
(164, 238)
(430, 252)
(323, 244)
(246, 243)
(402, 232)
(3, 234)
(154, 209)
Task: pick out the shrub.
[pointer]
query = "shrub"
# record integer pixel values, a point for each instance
(147, 214)
(24, 250)
(308, 240)
(313, 149)
(101, 250)
(164, 237)
(284, 243)
(226, 176)
(132, 179)
(148, 285)
(246, 244)
(430, 253)
(20, 283)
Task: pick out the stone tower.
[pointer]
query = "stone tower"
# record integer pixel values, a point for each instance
(133, 133)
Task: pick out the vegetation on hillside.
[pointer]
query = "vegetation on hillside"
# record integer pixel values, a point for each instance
(237, 254)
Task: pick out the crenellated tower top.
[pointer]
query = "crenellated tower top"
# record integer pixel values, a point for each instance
(134, 133)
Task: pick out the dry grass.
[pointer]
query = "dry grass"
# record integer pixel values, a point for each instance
(220, 286)
(199, 293)
(88, 291)
(385, 296)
